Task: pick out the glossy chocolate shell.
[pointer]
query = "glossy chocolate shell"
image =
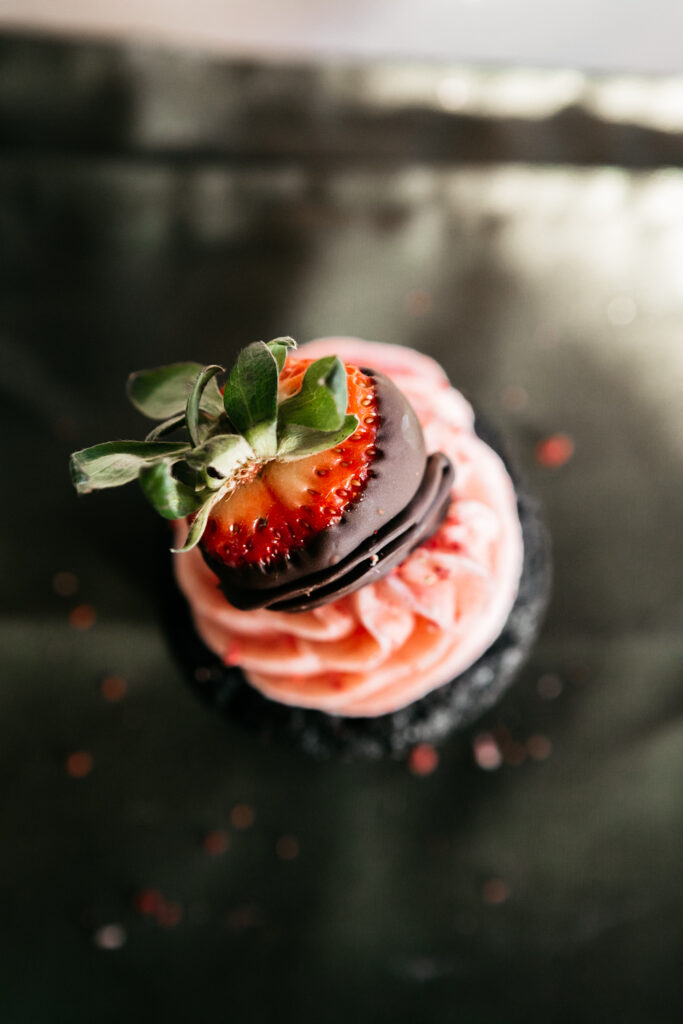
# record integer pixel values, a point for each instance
(403, 502)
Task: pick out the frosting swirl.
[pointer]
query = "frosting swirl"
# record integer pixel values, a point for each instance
(391, 642)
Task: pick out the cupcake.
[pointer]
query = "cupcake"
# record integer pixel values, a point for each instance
(360, 573)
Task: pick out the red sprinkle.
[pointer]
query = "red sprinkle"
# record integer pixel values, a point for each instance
(495, 891)
(65, 584)
(79, 764)
(423, 759)
(148, 901)
(514, 753)
(110, 936)
(486, 751)
(113, 688)
(539, 747)
(549, 686)
(287, 848)
(216, 842)
(418, 302)
(514, 397)
(554, 451)
(242, 816)
(82, 616)
(168, 915)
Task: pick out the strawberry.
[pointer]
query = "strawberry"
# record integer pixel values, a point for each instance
(298, 478)
(286, 503)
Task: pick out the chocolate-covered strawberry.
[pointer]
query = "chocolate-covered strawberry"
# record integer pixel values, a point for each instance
(301, 481)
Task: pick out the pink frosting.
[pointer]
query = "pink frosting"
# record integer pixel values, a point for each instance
(427, 621)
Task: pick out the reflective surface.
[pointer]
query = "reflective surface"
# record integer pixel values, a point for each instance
(534, 872)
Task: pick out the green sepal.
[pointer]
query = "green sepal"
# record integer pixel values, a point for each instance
(115, 463)
(204, 377)
(198, 524)
(187, 479)
(167, 427)
(263, 439)
(224, 454)
(191, 476)
(164, 391)
(296, 442)
(171, 498)
(279, 347)
(322, 400)
(250, 397)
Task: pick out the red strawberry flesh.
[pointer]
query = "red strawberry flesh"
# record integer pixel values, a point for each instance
(287, 503)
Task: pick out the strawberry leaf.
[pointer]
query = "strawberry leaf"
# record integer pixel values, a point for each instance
(224, 454)
(163, 392)
(321, 402)
(296, 442)
(250, 397)
(171, 498)
(118, 462)
(198, 524)
(192, 476)
(279, 347)
(204, 377)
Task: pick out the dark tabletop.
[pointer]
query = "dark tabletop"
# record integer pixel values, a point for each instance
(159, 206)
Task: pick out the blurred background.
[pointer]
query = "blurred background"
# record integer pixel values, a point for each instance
(602, 35)
(498, 185)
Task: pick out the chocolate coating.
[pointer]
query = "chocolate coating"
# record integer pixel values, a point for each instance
(403, 503)
(382, 551)
(428, 720)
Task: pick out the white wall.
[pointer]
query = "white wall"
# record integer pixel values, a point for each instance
(600, 35)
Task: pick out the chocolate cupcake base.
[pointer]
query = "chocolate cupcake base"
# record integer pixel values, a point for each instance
(428, 720)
